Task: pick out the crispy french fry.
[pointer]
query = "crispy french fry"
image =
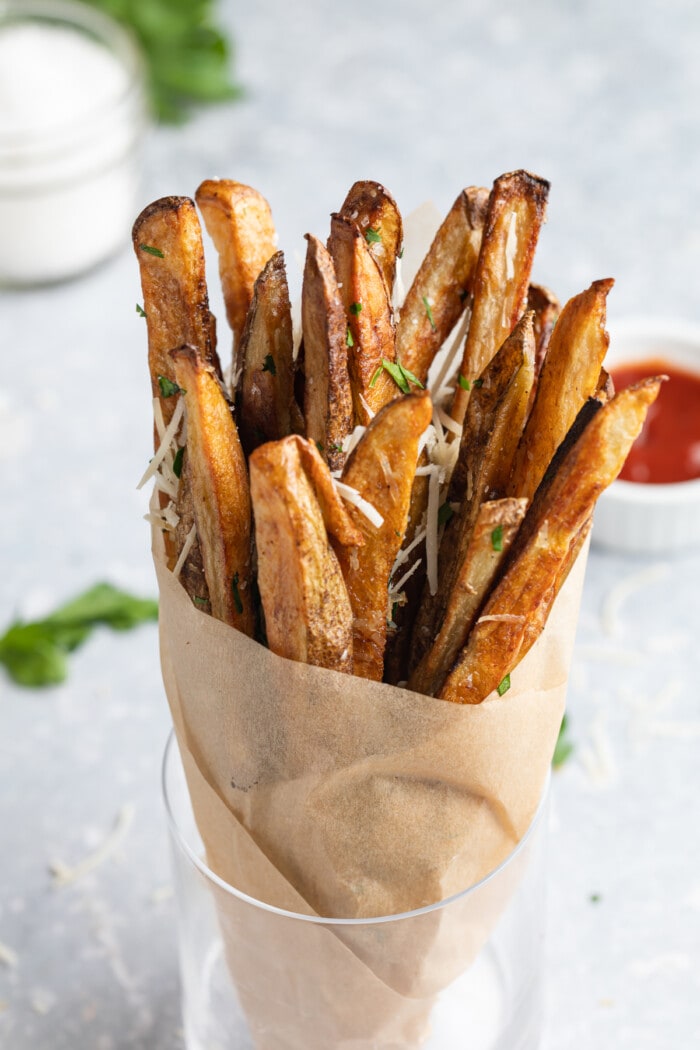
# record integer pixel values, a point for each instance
(494, 421)
(496, 524)
(266, 389)
(546, 308)
(570, 374)
(381, 470)
(239, 222)
(438, 295)
(328, 408)
(370, 330)
(308, 616)
(371, 207)
(336, 515)
(220, 494)
(167, 241)
(515, 214)
(516, 610)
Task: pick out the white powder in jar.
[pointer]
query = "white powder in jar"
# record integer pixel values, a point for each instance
(71, 117)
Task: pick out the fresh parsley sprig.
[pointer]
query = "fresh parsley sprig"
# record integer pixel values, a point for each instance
(401, 376)
(35, 653)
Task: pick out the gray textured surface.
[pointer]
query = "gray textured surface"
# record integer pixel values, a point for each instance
(603, 100)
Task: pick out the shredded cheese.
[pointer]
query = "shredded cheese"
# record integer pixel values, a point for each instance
(164, 447)
(351, 495)
(186, 548)
(396, 588)
(511, 247)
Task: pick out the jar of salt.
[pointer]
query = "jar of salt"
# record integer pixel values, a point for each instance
(72, 115)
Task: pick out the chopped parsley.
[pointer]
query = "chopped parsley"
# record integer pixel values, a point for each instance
(401, 376)
(464, 382)
(140, 310)
(349, 341)
(497, 538)
(236, 594)
(168, 388)
(595, 898)
(336, 447)
(151, 250)
(445, 512)
(429, 312)
(177, 462)
(320, 447)
(400, 255)
(269, 365)
(478, 383)
(503, 685)
(355, 308)
(372, 236)
(200, 601)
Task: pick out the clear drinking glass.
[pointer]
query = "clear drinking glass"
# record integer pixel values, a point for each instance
(464, 974)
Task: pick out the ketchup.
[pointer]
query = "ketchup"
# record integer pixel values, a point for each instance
(668, 448)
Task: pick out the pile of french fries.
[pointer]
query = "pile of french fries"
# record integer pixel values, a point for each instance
(399, 490)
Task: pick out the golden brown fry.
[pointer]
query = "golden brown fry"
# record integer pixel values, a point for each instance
(307, 610)
(438, 296)
(239, 222)
(546, 308)
(569, 376)
(266, 390)
(370, 330)
(515, 214)
(372, 208)
(328, 408)
(336, 515)
(525, 592)
(381, 470)
(496, 525)
(167, 240)
(220, 494)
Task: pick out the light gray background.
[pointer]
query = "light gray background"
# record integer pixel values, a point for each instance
(602, 99)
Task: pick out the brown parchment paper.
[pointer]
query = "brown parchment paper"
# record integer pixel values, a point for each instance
(329, 795)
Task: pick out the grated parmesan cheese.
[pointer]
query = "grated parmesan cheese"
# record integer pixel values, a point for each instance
(186, 548)
(352, 496)
(511, 247)
(166, 440)
(396, 588)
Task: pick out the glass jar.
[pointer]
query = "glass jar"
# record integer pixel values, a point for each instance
(72, 117)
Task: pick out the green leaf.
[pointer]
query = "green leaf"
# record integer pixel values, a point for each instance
(497, 538)
(140, 310)
(168, 388)
(372, 236)
(401, 376)
(34, 653)
(564, 746)
(464, 382)
(150, 250)
(177, 462)
(445, 512)
(349, 341)
(503, 685)
(429, 312)
(355, 308)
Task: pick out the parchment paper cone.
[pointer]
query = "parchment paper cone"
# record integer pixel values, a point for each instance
(325, 794)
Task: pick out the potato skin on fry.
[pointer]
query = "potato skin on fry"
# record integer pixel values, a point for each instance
(328, 408)
(372, 208)
(308, 616)
(239, 221)
(526, 591)
(381, 469)
(219, 484)
(444, 282)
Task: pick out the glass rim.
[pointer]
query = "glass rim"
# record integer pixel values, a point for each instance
(321, 920)
(108, 32)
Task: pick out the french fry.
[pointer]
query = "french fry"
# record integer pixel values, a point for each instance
(494, 529)
(380, 470)
(308, 616)
(372, 208)
(570, 374)
(328, 408)
(515, 214)
(546, 308)
(514, 614)
(439, 293)
(239, 222)
(369, 331)
(220, 494)
(266, 389)
(336, 515)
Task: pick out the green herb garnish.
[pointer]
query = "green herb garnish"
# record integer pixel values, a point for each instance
(595, 898)
(236, 594)
(140, 310)
(168, 388)
(429, 312)
(503, 685)
(35, 653)
(564, 746)
(177, 462)
(269, 365)
(401, 376)
(349, 341)
(400, 254)
(445, 512)
(464, 382)
(336, 447)
(497, 538)
(372, 236)
(187, 56)
(200, 601)
(320, 448)
(478, 383)
(151, 250)
(355, 308)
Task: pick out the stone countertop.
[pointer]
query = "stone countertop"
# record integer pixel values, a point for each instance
(603, 102)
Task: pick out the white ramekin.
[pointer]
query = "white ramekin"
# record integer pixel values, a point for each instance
(651, 519)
